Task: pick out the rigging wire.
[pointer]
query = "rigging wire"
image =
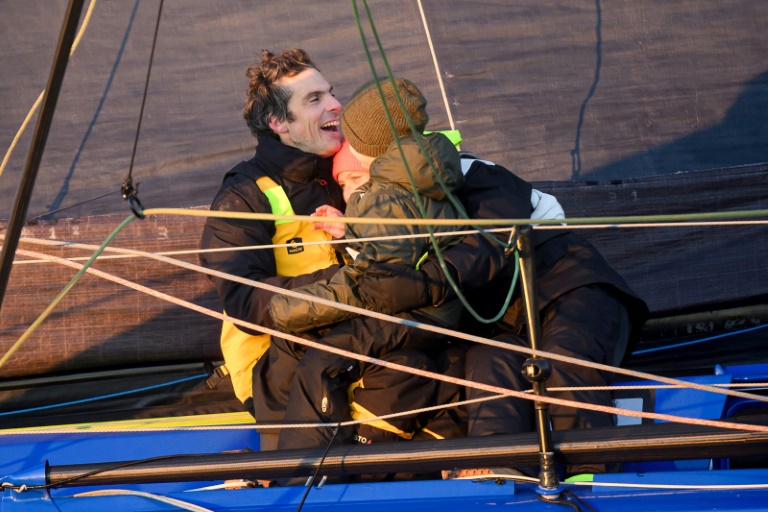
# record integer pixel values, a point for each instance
(437, 67)
(544, 223)
(80, 203)
(198, 250)
(371, 239)
(754, 386)
(340, 241)
(670, 219)
(127, 190)
(249, 425)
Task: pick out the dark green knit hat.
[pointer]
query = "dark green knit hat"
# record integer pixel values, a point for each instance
(364, 120)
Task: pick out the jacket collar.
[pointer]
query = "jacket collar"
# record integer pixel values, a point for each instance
(291, 163)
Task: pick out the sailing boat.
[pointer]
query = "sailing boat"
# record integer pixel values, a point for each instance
(148, 347)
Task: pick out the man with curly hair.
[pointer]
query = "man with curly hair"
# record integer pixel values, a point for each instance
(291, 110)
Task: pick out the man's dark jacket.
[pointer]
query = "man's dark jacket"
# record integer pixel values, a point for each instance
(308, 183)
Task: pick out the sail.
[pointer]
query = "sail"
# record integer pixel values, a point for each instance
(592, 91)
(617, 108)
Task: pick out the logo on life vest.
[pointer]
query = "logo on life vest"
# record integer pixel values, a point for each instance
(295, 246)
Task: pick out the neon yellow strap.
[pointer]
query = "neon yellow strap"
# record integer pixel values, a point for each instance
(585, 477)
(453, 135)
(278, 201)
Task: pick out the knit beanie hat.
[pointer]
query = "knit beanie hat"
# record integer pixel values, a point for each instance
(364, 119)
(345, 161)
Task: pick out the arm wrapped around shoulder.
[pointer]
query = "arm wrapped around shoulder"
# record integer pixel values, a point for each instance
(392, 288)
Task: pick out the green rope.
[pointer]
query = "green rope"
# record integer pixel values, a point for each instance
(63, 292)
(456, 203)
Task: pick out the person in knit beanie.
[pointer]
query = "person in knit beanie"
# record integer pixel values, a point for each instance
(364, 120)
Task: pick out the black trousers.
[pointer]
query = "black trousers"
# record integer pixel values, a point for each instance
(324, 386)
(588, 323)
(325, 393)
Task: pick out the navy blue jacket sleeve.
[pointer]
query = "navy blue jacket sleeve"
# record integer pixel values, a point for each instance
(489, 192)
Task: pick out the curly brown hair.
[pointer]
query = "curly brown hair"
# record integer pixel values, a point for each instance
(264, 97)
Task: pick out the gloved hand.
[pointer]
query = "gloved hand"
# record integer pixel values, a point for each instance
(392, 288)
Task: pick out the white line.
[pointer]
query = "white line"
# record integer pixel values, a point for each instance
(437, 68)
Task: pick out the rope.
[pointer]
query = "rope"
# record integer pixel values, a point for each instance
(459, 208)
(62, 293)
(184, 505)
(750, 385)
(372, 239)
(104, 397)
(278, 290)
(127, 190)
(430, 223)
(360, 311)
(437, 67)
(670, 219)
(73, 245)
(39, 100)
(462, 382)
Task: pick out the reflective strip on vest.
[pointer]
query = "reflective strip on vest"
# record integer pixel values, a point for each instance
(242, 350)
(453, 135)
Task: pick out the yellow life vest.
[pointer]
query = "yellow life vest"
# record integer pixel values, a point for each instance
(242, 350)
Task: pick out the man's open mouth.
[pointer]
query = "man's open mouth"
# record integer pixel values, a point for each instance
(331, 126)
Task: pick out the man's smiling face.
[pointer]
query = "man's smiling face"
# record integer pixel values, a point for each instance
(313, 124)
